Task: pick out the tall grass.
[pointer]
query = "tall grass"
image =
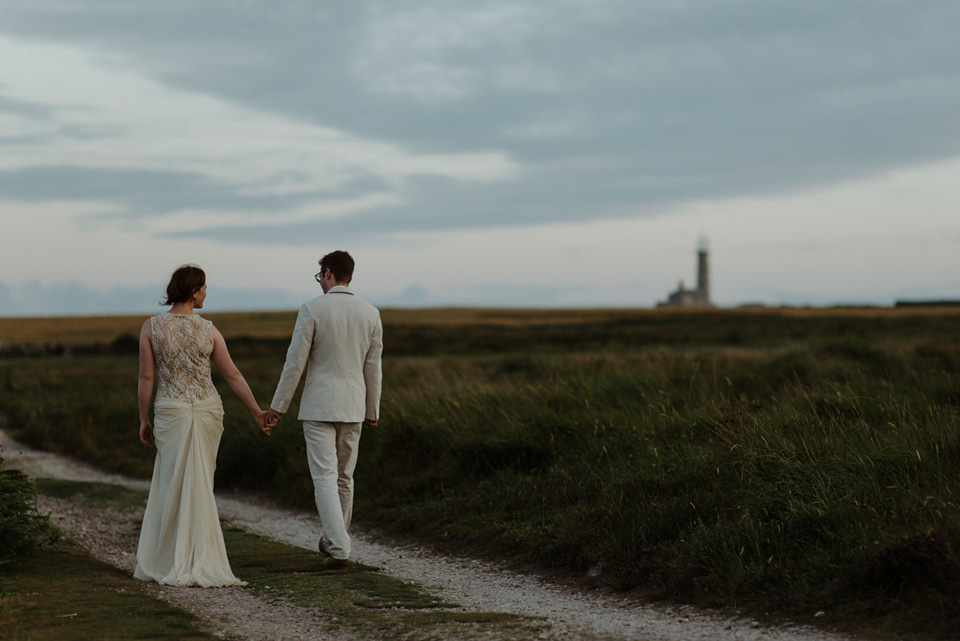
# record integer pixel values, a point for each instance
(703, 476)
(765, 461)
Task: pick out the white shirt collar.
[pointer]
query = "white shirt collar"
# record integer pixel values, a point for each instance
(339, 289)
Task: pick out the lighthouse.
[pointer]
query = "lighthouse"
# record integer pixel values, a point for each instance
(699, 297)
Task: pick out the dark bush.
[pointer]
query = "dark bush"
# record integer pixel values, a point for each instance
(22, 528)
(125, 344)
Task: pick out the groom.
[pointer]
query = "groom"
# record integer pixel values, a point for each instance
(338, 338)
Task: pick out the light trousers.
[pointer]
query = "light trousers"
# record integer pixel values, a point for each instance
(332, 455)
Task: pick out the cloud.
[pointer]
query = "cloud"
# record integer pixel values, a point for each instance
(676, 93)
(286, 123)
(143, 193)
(170, 150)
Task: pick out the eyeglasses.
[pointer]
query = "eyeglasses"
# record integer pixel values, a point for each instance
(319, 275)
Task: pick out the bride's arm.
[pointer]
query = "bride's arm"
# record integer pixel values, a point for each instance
(145, 384)
(221, 358)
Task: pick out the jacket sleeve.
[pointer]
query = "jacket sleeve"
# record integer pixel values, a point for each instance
(297, 355)
(373, 372)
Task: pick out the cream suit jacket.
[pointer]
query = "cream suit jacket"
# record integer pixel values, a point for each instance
(338, 338)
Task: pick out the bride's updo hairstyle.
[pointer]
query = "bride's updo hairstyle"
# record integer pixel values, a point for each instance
(185, 282)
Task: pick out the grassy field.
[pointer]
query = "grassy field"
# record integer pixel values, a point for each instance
(66, 595)
(269, 325)
(786, 461)
(83, 330)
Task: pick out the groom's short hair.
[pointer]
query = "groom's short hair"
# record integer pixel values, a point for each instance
(340, 264)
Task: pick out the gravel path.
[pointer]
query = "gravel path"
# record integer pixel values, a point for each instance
(572, 614)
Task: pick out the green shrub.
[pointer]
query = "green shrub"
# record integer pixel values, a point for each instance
(22, 528)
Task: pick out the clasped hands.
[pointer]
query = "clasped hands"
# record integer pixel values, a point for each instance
(267, 420)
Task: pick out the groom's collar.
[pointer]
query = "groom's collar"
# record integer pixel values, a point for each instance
(339, 289)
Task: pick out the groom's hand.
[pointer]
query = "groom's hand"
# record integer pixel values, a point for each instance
(272, 417)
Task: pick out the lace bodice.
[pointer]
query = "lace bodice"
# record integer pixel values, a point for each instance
(182, 344)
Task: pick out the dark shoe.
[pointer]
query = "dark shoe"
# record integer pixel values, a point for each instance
(335, 564)
(323, 549)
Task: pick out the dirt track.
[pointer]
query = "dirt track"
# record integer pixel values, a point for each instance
(477, 586)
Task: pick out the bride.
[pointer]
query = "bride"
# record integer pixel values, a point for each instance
(181, 542)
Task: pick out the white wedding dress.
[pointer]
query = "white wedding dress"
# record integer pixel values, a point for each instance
(181, 542)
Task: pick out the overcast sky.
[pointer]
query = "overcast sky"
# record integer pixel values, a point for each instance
(567, 153)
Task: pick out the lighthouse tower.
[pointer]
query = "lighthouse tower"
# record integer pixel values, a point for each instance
(703, 272)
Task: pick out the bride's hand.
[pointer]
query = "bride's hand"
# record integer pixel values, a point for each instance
(146, 433)
(262, 422)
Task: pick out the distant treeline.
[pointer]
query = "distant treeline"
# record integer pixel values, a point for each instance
(123, 344)
(928, 303)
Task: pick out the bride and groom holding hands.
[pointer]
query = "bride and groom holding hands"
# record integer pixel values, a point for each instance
(337, 340)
